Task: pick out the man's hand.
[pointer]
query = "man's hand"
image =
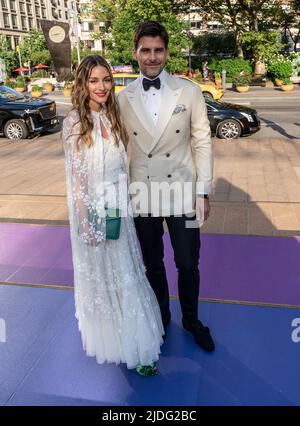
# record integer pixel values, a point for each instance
(202, 209)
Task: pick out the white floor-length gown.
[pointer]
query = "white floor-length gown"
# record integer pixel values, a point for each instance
(117, 311)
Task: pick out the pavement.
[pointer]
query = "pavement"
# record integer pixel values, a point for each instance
(256, 183)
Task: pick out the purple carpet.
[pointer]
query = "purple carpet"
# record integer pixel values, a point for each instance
(235, 268)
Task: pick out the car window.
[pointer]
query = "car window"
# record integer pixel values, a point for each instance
(6, 93)
(118, 81)
(128, 80)
(212, 102)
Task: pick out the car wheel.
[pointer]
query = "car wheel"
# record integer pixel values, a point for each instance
(229, 129)
(15, 130)
(208, 95)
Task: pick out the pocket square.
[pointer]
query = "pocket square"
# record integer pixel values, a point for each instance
(179, 108)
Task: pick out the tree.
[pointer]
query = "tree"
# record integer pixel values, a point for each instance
(214, 44)
(9, 56)
(32, 44)
(120, 19)
(261, 46)
(241, 16)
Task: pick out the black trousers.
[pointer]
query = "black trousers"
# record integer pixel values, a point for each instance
(186, 246)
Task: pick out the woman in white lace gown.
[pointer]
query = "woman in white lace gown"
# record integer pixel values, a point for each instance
(117, 312)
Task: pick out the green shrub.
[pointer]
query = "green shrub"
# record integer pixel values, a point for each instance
(295, 60)
(20, 81)
(241, 80)
(36, 88)
(279, 67)
(286, 81)
(39, 74)
(232, 66)
(10, 83)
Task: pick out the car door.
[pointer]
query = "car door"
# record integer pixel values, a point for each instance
(212, 114)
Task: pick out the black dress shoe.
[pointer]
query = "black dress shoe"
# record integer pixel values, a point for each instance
(201, 334)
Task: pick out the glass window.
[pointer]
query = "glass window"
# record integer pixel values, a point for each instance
(29, 9)
(4, 4)
(30, 23)
(17, 40)
(6, 20)
(24, 23)
(118, 81)
(129, 80)
(60, 13)
(6, 93)
(66, 16)
(44, 13)
(8, 39)
(37, 11)
(14, 21)
(12, 5)
(66, 4)
(22, 7)
(196, 25)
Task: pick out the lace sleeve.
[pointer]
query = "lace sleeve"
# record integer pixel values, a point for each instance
(85, 221)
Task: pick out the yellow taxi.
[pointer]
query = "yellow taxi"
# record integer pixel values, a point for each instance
(208, 89)
(123, 79)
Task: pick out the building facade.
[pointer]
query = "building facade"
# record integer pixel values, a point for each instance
(18, 17)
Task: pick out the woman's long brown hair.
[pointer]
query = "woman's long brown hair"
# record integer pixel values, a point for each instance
(80, 102)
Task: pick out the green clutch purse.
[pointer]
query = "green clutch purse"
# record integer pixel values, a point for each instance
(113, 223)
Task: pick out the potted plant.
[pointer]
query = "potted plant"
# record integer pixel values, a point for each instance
(241, 82)
(49, 87)
(286, 85)
(218, 79)
(36, 91)
(67, 89)
(279, 68)
(20, 84)
(10, 83)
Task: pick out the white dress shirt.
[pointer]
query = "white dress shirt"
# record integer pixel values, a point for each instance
(152, 97)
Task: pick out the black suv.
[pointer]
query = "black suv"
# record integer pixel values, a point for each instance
(21, 116)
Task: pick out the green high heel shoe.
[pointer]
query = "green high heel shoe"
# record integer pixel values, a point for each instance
(147, 370)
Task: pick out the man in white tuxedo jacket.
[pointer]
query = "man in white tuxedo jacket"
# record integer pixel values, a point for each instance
(170, 153)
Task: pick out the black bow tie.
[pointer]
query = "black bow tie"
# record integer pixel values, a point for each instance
(148, 83)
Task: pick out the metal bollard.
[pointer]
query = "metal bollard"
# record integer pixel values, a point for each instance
(224, 79)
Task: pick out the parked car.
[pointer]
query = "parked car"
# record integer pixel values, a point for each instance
(230, 121)
(208, 89)
(21, 116)
(227, 121)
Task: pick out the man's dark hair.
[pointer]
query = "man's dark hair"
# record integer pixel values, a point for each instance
(151, 29)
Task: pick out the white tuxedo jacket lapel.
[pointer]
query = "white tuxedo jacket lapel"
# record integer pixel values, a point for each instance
(171, 94)
(135, 98)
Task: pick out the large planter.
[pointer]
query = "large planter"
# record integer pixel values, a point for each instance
(242, 89)
(20, 89)
(287, 87)
(278, 82)
(37, 94)
(48, 87)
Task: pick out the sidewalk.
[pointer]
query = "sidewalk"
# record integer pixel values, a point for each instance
(261, 92)
(256, 185)
(254, 92)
